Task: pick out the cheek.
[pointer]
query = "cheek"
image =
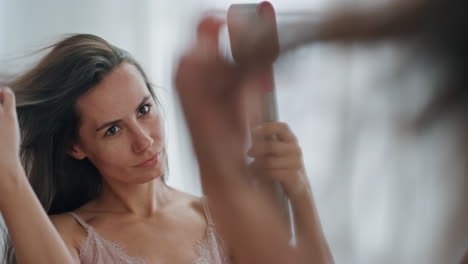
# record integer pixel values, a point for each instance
(117, 151)
(110, 153)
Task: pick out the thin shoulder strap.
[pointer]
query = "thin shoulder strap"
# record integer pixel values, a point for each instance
(207, 211)
(80, 220)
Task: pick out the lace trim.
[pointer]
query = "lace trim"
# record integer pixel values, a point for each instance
(210, 250)
(94, 241)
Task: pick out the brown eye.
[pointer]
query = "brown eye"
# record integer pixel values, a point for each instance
(144, 109)
(112, 131)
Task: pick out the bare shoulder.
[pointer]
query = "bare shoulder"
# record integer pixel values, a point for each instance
(193, 203)
(197, 207)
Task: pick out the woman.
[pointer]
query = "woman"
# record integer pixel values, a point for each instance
(92, 148)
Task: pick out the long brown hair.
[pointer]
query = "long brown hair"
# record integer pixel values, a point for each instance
(46, 96)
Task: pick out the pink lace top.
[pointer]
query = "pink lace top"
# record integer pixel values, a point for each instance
(96, 250)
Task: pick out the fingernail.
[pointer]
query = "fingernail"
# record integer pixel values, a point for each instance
(266, 9)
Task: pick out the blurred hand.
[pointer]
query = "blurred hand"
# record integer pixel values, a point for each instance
(278, 156)
(215, 97)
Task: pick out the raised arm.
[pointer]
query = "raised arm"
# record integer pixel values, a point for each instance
(215, 96)
(34, 237)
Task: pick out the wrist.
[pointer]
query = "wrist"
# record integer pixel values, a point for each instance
(299, 188)
(299, 194)
(12, 171)
(12, 178)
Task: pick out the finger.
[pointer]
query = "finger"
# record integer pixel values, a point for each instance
(263, 147)
(208, 37)
(280, 175)
(7, 98)
(279, 129)
(271, 162)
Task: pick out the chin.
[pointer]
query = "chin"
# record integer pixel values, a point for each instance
(151, 175)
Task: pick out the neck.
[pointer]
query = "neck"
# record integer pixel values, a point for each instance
(138, 199)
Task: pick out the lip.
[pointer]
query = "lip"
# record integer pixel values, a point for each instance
(149, 162)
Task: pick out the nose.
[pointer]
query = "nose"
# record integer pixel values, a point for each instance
(142, 139)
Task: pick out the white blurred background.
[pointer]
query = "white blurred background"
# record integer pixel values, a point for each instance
(384, 193)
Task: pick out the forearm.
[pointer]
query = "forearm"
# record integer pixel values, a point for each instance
(310, 238)
(246, 219)
(34, 237)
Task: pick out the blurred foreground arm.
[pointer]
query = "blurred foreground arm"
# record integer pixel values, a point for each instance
(215, 96)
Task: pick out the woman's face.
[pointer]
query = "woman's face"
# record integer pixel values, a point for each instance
(121, 130)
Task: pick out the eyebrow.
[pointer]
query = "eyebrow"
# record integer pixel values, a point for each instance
(115, 122)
